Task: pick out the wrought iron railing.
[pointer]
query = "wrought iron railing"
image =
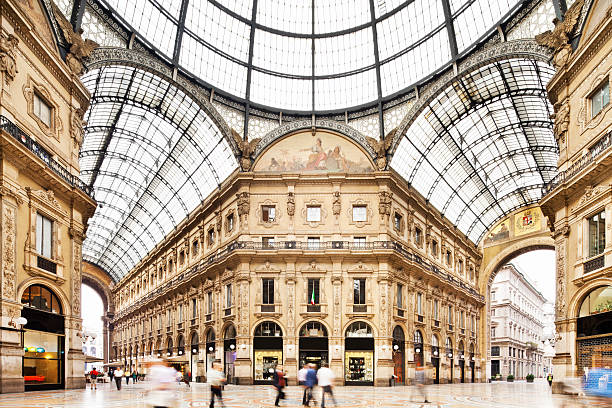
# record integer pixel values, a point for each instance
(594, 152)
(594, 264)
(46, 264)
(23, 138)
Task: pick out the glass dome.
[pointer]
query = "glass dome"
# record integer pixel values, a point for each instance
(311, 55)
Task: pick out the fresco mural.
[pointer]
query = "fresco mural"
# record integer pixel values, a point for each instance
(323, 152)
(499, 232)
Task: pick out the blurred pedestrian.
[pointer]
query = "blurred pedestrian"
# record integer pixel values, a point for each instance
(93, 378)
(127, 377)
(279, 382)
(216, 379)
(301, 377)
(309, 383)
(161, 376)
(325, 377)
(187, 378)
(118, 378)
(111, 375)
(134, 376)
(420, 382)
(549, 378)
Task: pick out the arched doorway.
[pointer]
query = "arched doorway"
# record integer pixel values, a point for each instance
(193, 359)
(268, 351)
(43, 339)
(359, 354)
(399, 347)
(158, 349)
(435, 358)
(169, 347)
(210, 348)
(450, 355)
(229, 352)
(594, 330)
(461, 352)
(472, 363)
(313, 344)
(418, 348)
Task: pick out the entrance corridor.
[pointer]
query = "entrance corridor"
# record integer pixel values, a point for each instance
(515, 395)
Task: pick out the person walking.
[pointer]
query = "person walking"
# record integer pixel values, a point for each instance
(161, 377)
(278, 381)
(127, 377)
(325, 377)
(301, 377)
(187, 378)
(93, 378)
(311, 381)
(420, 382)
(118, 378)
(549, 378)
(217, 379)
(111, 375)
(134, 376)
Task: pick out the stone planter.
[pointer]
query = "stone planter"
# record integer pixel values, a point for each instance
(510, 379)
(529, 380)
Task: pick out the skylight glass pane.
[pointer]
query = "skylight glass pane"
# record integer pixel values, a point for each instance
(331, 16)
(242, 7)
(279, 92)
(285, 15)
(353, 90)
(345, 53)
(282, 54)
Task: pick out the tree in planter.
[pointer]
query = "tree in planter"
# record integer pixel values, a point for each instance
(510, 378)
(529, 378)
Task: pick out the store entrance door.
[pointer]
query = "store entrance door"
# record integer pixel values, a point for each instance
(473, 369)
(462, 370)
(359, 355)
(435, 362)
(313, 344)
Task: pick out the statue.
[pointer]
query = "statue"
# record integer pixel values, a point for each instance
(561, 120)
(246, 149)
(381, 147)
(336, 205)
(291, 204)
(7, 56)
(77, 125)
(79, 48)
(558, 39)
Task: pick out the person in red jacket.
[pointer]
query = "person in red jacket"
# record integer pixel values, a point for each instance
(93, 378)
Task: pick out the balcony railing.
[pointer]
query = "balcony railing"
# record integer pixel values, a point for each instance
(46, 264)
(23, 138)
(268, 308)
(594, 152)
(594, 264)
(209, 317)
(313, 308)
(227, 311)
(420, 318)
(360, 308)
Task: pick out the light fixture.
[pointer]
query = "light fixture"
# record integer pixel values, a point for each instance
(232, 346)
(418, 350)
(169, 354)
(450, 355)
(180, 352)
(435, 352)
(210, 348)
(462, 357)
(472, 358)
(194, 350)
(395, 347)
(158, 354)
(19, 321)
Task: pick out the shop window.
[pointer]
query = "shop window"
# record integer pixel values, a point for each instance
(314, 242)
(397, 222)
(360, 213)
(312, 294)
(44, 236)
(42, 358)
(359, 293)
(313, 213)
(41, 298)
(268, 291)
(359, 242)
(597, 301)
(42, 110)
(268, 213)
(600, 98)
(597, 234)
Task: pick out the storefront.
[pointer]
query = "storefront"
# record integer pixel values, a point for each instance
(229, 352)
(267, 350)
(472, 364)
(435, 359)
(450, 356)
(594, 330)
(193, 357)
(314, 345)
(399, 348)
(43, 339)
(210, 349)
(418, 348)
(359, 354)
(461, 350)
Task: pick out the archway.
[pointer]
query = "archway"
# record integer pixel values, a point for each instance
(461, 352)
(194, 353)
(594, 329)
(95, 334)
(399, 355)
(418, 348)
(268, 351)
(313, 343)
(229, 352)
(435, 358)
(210, 348)
(359, 354)
(450, 355)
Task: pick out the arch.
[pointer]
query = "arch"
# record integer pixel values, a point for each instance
(583, 292)
(398, 334)
(210, 335)
(313, 325)
(55, 289)
(39, 296)
(268, 328)
(229, 332)
(101, 288)
(448, 344)
(435, 340)
(417, 337)
(260, 322)
(359, 328)
(180, 341)
(351, 322)
(194, 339)
(169, 343)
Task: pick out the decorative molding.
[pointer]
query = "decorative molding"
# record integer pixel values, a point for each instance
(77, 126)
(8, 63)
(29, 89)
(313, 203)
(9, 250)
(584, 113)
(277, 213)
(369, 214)
(590, 195)
(291, 203)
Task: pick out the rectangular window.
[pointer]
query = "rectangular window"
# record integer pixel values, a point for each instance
(267, 242)
(44, 234)
(448, 257)
(180, 313)
(492, 332)
(313, 213)
(182, 257)
(492, 312)
(211, 236)
(194, 308)
(314, 242)
(210, 302)
(400, 300)
(462, 319)
(230, 222)
(492, 295)
(450, 314)
(195, 248)
(600, 99)
(359, 295)
(228, 296)
(460, 267)
(42, 110)
(359, 242)
(268, 213)
(495, 350)
(436, 310)
(397, 222)
(419, 304)
(434, 247)
(597, 233)
(418, 236)
(268, 291)
(360, 213)
(312, 294)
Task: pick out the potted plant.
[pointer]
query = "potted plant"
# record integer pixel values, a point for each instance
(510, 378)
(530, 378)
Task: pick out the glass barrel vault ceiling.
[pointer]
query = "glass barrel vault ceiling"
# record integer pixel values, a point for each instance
(484, 146)
(152, 155)
(311, 55)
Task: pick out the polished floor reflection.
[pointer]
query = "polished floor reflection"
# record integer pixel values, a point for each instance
(515, 395)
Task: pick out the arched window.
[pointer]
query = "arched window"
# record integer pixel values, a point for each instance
(170, 345)
(449, 347)
(398, 334)
(42, 298)
(210, 336)
(418, 337)
(313, 329)
(230, 332)
(359, 329)
(434, 341)
(599, 300)
(266, 329)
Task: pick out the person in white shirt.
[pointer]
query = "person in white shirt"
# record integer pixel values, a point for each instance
(118, 377)
(325, 378)
(216, 379)
(161, 377)
(301, 377)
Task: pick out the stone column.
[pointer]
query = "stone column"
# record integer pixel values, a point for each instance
(243, 370)
(563, 364)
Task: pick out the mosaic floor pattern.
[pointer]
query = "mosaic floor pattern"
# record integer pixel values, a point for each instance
(512, 395)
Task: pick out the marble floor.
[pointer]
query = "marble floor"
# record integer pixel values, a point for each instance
(514, 395)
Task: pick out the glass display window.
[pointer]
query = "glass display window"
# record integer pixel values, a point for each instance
(265, 362)
(43, 356)
(359, 366)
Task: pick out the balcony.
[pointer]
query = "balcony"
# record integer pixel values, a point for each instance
(313, 308)
(360, 310)
(180, 326)
(209, 317)
(46, 264)
(25, 140)
(194, 321)
(268, 308)
(594, 264)
(450, 327)
(227, 311)
(436, 323)
(307, 310)
(400, 312)
(419, 318)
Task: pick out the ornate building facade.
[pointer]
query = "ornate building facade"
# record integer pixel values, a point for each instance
(313, 256)
(578, 202)
(517, 325)
(44, 207)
